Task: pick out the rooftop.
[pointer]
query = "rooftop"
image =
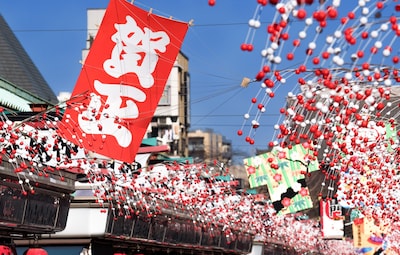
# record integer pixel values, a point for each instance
(19, 74)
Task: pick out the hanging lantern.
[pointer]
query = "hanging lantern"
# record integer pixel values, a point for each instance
(5, 250)
(35, 251)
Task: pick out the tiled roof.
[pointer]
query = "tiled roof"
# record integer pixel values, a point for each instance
(17, 68)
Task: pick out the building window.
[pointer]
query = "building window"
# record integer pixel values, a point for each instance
(166, 96)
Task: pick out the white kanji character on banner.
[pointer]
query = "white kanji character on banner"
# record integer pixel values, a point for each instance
(135, 51)
(100, 118)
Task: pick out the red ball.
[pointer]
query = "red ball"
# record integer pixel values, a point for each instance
(325, 55)
(262, 2)
(351, 15)
(301, 14)
(309, 2)
(332, 13)
(211, 2)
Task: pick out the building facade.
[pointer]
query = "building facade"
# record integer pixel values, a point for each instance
(171, 120)
(207, 146)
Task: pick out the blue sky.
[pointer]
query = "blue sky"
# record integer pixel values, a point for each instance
(54, 33)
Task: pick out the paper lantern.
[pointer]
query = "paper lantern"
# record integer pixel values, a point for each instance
(5, 250)
(35, 251)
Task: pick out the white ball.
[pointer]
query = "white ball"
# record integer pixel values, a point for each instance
(374, 34)
(366, 72)
(378, 44)
(386, 52)
(387, 82)
(309, 21)
(338, 34)
(384, 27)
(325, 109)
(329, 39)
(264, 53)
(370, 100)
(277, 59)
(274, 46)
(252, 22)
(336, 3)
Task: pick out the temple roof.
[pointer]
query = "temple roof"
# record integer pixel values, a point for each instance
(19, 74)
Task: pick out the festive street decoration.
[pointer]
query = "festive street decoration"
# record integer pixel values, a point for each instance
(35, 251)
(336, 66)
(284, 172)
(6, 250)
(369, 235)
(332, 220)
(122, 80)
(340, 113)
(194, 189)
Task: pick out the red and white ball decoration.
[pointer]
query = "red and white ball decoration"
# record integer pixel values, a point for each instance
(335, 63)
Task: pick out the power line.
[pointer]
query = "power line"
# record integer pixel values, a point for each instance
(86, 29)
(230, 115)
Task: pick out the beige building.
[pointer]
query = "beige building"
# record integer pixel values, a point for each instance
(207, 146)
(171, 119)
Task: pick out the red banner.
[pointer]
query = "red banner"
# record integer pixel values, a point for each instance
(122, 80)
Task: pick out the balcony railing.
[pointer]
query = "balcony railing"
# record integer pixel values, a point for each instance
(40, 212)
(173, 230)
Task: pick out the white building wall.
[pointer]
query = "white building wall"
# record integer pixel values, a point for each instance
(173, 108)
